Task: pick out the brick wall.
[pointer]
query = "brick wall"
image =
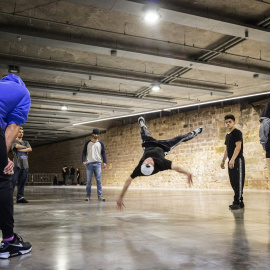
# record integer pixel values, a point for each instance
(202, 155)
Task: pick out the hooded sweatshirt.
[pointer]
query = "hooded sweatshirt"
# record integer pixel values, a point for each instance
(265, 125)
(15, 101)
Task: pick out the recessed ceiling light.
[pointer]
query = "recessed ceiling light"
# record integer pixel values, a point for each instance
(151, 16)
(156, 87)
(64, 108)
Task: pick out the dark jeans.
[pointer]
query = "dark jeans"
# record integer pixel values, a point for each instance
(166, 145)
(237, 179)
(19, 177)
(6, 192)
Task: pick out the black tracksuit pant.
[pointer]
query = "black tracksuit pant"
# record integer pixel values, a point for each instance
(237, 179)
(166, 145)
(6, 192)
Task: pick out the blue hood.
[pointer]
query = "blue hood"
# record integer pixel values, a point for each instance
(13, 78)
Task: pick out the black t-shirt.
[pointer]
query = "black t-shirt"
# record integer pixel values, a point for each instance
(72, 171)
(231, 139)
(161, 164)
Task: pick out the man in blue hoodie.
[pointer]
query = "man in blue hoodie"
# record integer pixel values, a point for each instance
(14, 107)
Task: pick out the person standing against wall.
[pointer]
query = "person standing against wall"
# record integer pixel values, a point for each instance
(72, 174)
(20, 151)
(14, 107)
(78, 176)
(92, 157)
(236, 166)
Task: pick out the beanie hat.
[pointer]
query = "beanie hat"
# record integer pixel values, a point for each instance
(147, 169)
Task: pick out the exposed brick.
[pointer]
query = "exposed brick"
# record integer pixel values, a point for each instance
(202, 155)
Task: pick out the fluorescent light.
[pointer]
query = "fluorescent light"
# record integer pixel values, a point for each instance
(64, 108)
(152, 16)
(156, 87)
(215, 101)
(173, 108)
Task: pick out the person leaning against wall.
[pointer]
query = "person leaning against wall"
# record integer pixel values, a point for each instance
(14, 107)
(264, 134)
(20, 149)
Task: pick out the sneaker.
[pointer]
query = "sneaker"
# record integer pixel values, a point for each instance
(234, 206)
(22, 200)
(198, 130)
(15, 247)
(141, 121)
(242, 205)
(100, 198)
(87, 199)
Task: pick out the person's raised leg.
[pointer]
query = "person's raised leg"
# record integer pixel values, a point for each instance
(168, 145)
(145, 133)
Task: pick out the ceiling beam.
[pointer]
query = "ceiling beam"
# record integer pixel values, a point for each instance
(88, 75)
(189, 19)
(136, 55)
(50, 112)
(82, 106)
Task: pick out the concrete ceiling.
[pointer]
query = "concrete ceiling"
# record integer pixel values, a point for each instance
(101, 59)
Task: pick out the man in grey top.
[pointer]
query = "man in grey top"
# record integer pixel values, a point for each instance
(92, 156)
(20, 151)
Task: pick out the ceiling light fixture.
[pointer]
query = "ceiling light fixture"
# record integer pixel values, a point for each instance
(156, 87)
(64, 108)
(173, 108)
(13, 69)
(151, 16)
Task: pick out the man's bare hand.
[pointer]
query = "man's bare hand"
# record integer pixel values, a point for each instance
(9, 168)
(222, 165)
(120, 204)
(231, 164)
(84, 163)
(104, 165)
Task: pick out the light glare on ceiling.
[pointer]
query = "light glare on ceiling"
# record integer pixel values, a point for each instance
(152, 16)
(156, 87)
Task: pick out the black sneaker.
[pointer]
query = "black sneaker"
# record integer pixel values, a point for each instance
(22, 200)
(15, 247)
(234, 207)
(242, 205)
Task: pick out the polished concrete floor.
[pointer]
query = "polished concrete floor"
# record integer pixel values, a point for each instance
(159, 229)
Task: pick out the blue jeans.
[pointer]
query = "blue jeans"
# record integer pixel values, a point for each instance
(19, 177)
(93, 167)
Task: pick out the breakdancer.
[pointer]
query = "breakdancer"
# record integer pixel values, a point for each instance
(153, 160)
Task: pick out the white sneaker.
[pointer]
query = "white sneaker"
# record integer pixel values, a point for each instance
(198, 130)
(100, 198)
(141, 121)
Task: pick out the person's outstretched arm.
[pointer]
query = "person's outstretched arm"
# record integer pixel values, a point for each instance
(119, 201)
(181, 170)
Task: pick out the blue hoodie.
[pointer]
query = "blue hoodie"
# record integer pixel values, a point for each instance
(15, 101)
